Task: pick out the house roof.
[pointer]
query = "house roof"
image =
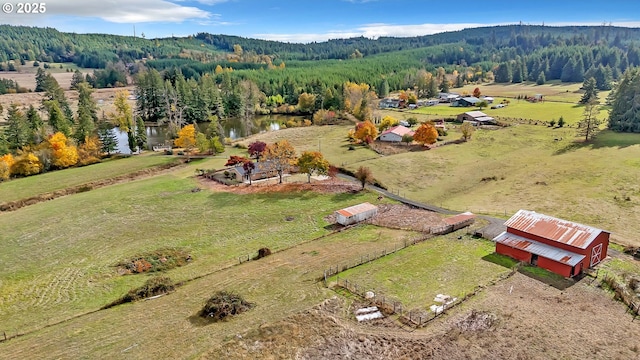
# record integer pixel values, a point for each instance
(476, 114)
(459, 218)
(471, 99)
(357, 209)
(398, 130)
(261, 166)
(562, 231)
(538, 248)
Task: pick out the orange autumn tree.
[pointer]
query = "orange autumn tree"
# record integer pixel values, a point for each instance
(280, 157)
(89, 152)
(426, 134)
(366, 132)
(64, 153)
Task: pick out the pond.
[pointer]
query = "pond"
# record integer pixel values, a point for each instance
(234, 128)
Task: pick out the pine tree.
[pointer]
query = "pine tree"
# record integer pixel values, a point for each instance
(590, 91)
(17, 131)
(384, 88)
(503, 73)
(541, 79)
(141, 133)
(107, 137)
(57, 119)
(36, 126)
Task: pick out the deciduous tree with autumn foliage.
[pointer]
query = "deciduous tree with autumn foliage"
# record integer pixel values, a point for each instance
(281, 156)
(256, 149)
(312, 162)
(186, 139)
(64, 153)
(366, 132)
(363, 174)
(426, 134)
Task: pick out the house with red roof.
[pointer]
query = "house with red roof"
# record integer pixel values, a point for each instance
(563, 247)
(395, 133)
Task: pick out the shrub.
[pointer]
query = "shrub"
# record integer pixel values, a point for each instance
(224, 304)
(262, 252)
(158, 260)
(152, 287)
(442, 132)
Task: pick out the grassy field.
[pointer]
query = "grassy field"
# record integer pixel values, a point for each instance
(442, 265)
(595, 183)
(517, 109)
(57, 257)
(23, 188)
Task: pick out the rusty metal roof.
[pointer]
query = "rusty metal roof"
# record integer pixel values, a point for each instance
(554, 229)
(538, 248)
(459, 218)
(357, 209)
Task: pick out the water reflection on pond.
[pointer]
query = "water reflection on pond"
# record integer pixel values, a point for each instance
(233, 128)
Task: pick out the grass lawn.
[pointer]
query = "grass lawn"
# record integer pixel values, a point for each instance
(23, 188)
(442, 265)
(553, 90)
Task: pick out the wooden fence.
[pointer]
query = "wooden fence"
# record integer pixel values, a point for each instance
(622, 293)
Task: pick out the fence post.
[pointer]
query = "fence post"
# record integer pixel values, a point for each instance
(325, 278)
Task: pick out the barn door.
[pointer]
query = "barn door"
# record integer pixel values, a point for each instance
(596, 255)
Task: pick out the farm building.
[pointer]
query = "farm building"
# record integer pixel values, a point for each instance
(387, 103)
(356, 213)
(262, 170)
(448, 97)
(488, 99)
(466, 101)
(476, 117)
(560, 246)
(395, 133)
(454, 223)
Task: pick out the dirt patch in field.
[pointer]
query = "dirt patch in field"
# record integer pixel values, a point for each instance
(520, 318)
(407, 218)
(329, 186)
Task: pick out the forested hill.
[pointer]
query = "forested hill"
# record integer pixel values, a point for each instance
(96, 50)
(92, 50)
(524, 37)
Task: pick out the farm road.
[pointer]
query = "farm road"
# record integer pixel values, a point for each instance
(495, 227)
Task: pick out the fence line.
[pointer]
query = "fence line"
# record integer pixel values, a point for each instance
(416, 317)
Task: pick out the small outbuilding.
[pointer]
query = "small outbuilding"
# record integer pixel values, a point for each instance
(395, 133)
(356, 213)
(563, 247)
(476, 118)
(466, 101)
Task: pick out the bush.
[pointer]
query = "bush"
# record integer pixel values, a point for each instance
(262, 252)
(152, 287)
(168, 152)
(35, 64)
(158, 260)
(224, 304)
(442, 132)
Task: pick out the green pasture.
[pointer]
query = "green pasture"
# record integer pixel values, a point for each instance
(442, 265)
(517, 110)
(23, 188)
(57, 257)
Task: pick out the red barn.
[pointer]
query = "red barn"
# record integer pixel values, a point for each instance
(560, 246)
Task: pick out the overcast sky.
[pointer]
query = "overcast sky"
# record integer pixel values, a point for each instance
(307, 20)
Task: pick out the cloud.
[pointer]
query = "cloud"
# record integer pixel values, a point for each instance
(375, 31)
(116, 11)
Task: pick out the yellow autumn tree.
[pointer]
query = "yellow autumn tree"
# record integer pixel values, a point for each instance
(359, 100)
(186, 139)
(89, 151)
(426, 134)
(6, 162)
(63, 152)
(280, 157)
(26, 164)
(387, 122)
(366, 132)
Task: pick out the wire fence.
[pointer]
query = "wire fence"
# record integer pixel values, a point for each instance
(414, 317)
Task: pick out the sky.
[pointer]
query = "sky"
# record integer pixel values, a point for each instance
(305, 21)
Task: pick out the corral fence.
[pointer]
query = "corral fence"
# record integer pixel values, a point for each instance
(6, 335)
(415, 318)
(622, 293)
(366, 258)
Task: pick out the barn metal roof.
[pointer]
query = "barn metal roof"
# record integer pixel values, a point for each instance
(538, 248)
(476, 114)
(459, 218)
(357, 209)
(563, 231)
